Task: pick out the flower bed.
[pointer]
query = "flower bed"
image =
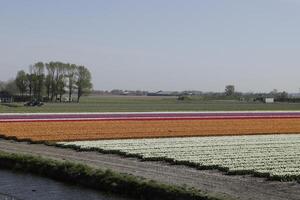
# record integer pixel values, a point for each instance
(273, 156)
(118, 129)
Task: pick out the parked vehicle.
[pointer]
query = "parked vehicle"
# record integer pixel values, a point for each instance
(34, 103)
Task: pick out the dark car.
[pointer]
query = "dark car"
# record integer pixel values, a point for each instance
(34, 103)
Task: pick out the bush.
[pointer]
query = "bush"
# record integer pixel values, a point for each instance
(183, 97)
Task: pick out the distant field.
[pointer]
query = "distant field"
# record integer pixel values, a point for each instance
(136, 104)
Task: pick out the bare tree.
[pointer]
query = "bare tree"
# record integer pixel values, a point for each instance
(37, 72)
(70, 74)
(83, 81)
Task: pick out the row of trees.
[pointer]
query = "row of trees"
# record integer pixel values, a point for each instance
(53, 80)
(230, 91)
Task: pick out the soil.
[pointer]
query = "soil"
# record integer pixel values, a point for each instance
(211, 181)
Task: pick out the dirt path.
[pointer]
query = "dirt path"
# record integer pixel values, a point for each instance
(211, 181)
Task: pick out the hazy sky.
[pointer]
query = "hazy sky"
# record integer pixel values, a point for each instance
(158, 44)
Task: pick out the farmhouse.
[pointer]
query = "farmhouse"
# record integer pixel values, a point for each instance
(268, 100)
(5, 97)
(264, 99)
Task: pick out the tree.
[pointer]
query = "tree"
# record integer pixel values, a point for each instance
(48, 86)
(11, 87)
(70, 74)
(51, 68)
(30, 83)
(35, 79)
(229, 90)
(283, 95)
(2, 86)
(59, 80)
(38, 79)
(276, 94)
(21, 82)
(83, 81)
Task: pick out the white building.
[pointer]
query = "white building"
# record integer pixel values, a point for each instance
(269, 100)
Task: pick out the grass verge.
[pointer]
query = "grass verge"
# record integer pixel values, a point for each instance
(146, 103)
(107, 181)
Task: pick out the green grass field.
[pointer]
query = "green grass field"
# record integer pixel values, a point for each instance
(127, 104)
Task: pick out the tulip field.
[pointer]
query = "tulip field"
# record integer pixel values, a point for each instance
(277, 155)
(73, 127)
(266, 143)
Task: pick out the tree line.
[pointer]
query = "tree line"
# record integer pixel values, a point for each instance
(51, 81)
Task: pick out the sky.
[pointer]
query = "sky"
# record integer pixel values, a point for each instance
(158, 44)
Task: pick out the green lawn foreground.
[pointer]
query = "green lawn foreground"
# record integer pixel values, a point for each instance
(140, 104)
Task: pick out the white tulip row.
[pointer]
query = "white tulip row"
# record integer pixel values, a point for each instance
(274, 154)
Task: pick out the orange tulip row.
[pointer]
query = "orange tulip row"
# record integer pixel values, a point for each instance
(117, 129)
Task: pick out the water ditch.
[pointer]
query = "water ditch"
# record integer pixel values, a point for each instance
(20, 186)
